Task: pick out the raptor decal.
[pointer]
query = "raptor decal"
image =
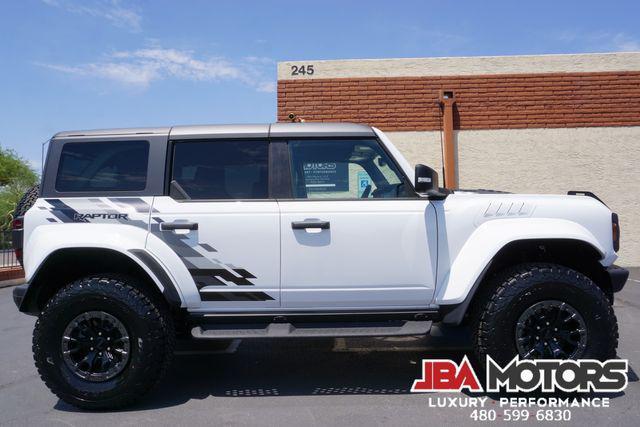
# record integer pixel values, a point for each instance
(93, 210)
(208, 273)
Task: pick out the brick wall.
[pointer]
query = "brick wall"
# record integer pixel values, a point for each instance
(508, 101)
(11, 273)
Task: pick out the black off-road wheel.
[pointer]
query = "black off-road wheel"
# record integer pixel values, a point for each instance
(543, 311)
(101, 342)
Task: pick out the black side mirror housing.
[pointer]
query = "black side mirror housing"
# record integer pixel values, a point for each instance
(426, 182)
(426, 179)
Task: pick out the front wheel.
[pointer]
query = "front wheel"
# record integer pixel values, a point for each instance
(101, 342)
(544, 311)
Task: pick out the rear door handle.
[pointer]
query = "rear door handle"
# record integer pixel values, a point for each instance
(171, 226)
(310, 223)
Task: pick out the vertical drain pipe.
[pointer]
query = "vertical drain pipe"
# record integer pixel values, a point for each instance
(449, 155)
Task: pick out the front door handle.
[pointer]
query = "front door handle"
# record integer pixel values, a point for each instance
(172, 226)
(310, 223)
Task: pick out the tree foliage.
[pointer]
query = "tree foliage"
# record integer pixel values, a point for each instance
(16, 177)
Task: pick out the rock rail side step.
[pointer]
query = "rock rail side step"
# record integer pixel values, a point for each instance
(311, 330)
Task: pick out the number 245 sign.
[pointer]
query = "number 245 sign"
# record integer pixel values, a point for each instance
(302, 70)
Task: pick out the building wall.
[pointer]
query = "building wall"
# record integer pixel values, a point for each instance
(463, 66)
(547, 161)
(530, 124)
(503, 101)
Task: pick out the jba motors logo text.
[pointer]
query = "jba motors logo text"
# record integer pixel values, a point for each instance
(586, 375)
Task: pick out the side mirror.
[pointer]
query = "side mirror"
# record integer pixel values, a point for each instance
(426, 182)
(426, 179)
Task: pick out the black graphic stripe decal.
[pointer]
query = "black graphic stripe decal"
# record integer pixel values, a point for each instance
(226, 275)
(67, 214)
(208, 273)
(212, 275)
(204, 281)
(235, 296)
(63, 212)
(207, 248)
(138, 204)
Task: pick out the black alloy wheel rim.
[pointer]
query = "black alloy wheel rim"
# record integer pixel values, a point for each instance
(95, 346)
(551, 330)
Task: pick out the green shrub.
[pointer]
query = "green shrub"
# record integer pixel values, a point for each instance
(16, 177)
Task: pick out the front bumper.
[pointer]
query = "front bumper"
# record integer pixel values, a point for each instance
(18, 294)
(617, 276)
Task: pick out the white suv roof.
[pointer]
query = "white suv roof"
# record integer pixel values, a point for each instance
(247, 130)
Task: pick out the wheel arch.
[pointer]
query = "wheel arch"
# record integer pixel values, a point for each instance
(579, 255)
(55, 272)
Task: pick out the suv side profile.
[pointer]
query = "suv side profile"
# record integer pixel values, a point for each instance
(292, 230)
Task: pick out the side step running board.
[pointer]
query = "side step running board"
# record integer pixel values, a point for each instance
(311, 330)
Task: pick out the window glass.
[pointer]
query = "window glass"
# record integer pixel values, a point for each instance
(222, 169)
(343, 168)
(103, 166)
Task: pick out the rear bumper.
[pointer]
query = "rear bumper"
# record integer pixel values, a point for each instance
(617, 276)
(18, 294)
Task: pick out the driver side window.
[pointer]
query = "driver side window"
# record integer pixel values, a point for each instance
(343, 169)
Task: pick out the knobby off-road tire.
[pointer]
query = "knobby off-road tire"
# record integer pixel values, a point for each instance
(104, 301)
(27, 200)
(504, 304)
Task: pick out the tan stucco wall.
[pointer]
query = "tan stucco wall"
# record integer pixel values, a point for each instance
(603, 160)
(461, 66)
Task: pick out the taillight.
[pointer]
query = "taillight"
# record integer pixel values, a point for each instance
(17, 224)
(615, 231)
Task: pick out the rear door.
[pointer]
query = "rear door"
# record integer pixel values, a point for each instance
(354, 235)
(218, 218)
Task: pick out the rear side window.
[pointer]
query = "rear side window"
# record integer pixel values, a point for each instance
(103, 166)
(222, 169)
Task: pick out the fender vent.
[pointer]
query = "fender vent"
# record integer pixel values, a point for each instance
(507, 209)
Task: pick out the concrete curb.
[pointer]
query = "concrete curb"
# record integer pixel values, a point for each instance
(13, 282)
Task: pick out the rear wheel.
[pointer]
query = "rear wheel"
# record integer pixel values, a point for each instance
(101, 342)
(544, 311)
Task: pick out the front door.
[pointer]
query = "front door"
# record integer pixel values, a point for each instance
(355, 237)
(219, 220)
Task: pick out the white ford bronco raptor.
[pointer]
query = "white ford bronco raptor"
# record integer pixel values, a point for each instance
(138, 236)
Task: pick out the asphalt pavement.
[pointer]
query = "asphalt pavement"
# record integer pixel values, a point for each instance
(291, 382)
